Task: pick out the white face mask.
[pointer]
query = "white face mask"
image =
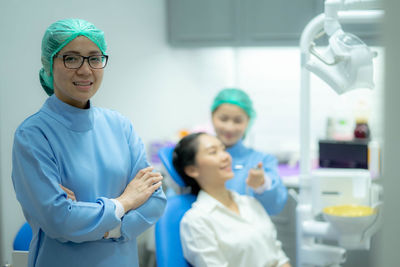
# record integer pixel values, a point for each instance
(346, 64)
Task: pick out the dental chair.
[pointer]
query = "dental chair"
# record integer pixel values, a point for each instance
(168, 244)
(23, 238)
(21, 246)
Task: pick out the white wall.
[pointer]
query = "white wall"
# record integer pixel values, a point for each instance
(161, 89)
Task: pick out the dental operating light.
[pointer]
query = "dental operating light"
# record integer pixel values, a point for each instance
(346, 63)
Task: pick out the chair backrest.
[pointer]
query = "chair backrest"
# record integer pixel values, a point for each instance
(168, 244)
(165, 155)
(23, 238)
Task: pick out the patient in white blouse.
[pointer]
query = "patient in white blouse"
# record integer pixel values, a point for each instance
(222, 228)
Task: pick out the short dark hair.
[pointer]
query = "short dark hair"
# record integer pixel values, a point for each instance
(185, 155)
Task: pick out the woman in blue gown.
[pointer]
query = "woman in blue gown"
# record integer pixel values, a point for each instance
(80, 172)
(256, 173)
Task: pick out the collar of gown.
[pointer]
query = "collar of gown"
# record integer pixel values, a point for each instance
(237, 148)
(73, 118)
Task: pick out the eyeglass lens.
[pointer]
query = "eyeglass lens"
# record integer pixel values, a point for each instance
(76, 61)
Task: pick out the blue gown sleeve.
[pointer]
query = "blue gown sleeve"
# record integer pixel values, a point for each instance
(137, 221)
(273, 199)
(36, 181)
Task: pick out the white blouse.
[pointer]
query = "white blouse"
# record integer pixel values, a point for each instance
(213, 235)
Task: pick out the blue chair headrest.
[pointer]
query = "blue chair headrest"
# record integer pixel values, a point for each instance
(23, 238)
(165, 155)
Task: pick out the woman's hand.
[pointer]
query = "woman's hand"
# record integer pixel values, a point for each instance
(140, 189)
(70, 194)
(256, 177)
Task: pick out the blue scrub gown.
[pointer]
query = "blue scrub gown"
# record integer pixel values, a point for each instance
(94, 152)
(243, 159)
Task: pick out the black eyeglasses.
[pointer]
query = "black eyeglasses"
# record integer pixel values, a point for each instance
(76, 61)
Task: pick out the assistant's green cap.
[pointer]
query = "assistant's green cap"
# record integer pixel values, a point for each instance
(236, 97)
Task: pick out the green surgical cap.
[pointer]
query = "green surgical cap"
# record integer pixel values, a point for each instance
(58, 35)
(236, 97)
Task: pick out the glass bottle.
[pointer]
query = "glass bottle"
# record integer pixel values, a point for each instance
(361, 131)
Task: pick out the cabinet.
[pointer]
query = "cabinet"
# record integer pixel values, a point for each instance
(238, 22)
(206, 23)
(202, 22)
(267, 22)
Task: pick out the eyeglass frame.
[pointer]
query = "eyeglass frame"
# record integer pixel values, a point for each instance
(83, 61)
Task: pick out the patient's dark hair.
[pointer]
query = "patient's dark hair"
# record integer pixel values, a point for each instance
(185, 155)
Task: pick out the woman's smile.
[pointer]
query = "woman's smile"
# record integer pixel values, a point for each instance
(83, 85)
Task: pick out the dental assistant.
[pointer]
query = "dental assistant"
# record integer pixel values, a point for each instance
(80, 172)
(255, 173)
